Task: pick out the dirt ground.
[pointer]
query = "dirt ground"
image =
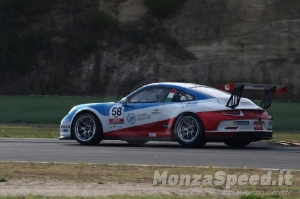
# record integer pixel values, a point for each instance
(58, 188)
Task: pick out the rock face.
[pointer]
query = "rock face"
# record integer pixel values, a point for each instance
(233, 41)
(241, 41)
(209, 42)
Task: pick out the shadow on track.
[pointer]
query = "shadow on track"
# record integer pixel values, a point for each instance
(266, 146)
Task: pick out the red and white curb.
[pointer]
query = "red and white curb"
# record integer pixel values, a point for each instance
(288, 143)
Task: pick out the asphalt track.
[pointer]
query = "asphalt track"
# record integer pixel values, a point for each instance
(256, 155)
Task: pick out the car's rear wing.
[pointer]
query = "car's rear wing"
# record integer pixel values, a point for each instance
(237, 89)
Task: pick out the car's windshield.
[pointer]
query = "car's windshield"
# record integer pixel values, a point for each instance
(154, 94)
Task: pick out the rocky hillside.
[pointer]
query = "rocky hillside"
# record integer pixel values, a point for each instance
(110, 47)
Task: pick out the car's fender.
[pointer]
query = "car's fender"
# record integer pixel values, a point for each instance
(102, 118)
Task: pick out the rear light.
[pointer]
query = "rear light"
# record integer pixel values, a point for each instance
(232, 112)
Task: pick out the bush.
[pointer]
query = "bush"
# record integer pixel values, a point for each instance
(163, 8)
(78, 44)
(2, 179)
(82, 37)
(18, 48)
(18, 52)
(99, 21)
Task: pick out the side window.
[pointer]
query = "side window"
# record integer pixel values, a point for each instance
(150, 95)
(181, 96)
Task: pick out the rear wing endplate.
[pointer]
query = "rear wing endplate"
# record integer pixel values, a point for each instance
(236, 90)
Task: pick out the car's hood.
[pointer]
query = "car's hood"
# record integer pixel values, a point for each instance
(96, 106)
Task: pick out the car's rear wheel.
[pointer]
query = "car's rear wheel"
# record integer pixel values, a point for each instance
(188, 130)
(137, 142)
(87, 129)
(237, 144)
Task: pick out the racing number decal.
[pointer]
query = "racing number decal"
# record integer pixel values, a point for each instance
(117, 111)
(116, 115)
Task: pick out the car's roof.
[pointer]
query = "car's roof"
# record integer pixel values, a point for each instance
(201, 91)
(177, 84)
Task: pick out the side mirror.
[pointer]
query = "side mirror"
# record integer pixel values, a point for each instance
(124, 101)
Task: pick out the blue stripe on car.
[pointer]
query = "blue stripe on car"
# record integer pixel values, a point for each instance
(103, 108)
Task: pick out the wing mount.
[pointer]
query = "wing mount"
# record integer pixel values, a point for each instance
(236, 90)
(235, 97)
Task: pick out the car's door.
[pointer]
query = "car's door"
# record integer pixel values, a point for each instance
(143, 111)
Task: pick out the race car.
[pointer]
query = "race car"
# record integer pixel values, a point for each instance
(188, 113)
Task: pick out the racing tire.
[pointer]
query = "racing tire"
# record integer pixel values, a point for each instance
(136, 142)
(87, 129)
(189, 131)
(237, 144)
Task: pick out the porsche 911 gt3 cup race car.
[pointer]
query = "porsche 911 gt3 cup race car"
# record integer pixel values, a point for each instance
(188, 113)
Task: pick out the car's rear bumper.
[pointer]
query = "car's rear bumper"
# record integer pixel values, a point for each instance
(242, 135)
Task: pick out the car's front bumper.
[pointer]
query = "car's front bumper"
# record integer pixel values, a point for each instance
(65, 127)
(65, 130)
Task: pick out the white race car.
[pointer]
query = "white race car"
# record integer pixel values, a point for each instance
(188, 113)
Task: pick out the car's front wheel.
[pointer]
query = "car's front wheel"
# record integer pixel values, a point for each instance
(189, 131)
(87, 129)
(237, 144)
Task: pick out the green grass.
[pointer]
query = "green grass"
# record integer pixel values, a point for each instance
(43, 110)
(50, 110)
(151, 197)
(148, 197)
(286, 116)
(120, 197)
(260, 197)
(286, 136)
(23, 131)
(52, 131)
